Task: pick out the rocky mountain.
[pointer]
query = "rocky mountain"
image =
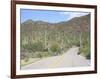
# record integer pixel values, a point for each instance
(76, 24)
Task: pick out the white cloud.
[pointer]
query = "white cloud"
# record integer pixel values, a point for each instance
(71, 15)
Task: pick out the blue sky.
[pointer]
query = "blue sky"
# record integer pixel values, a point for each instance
(48, 15)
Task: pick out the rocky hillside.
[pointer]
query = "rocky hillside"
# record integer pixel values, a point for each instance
(76, 24)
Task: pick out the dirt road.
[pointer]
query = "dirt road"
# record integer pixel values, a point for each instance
(68, 59)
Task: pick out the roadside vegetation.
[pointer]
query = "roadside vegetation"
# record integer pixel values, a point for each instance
(53, 43)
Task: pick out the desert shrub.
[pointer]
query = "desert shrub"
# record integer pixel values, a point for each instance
(41, 54)
(46, 54)
(55, 48)
(37, 55)
(88, 55)
(77, 43)
(37, 46)
(26, 59)
(45, 50)
(24, 53)
(26, 47)
(85, 51)
(33, 47)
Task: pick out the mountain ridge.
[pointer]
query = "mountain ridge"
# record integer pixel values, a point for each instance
(76, 24)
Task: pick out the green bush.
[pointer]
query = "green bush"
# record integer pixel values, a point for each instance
(37, 55)
(26, 59)
(85, 51)
(33, 47)
(55, 48)
(88, 55)
(37, 46)
(41, 54)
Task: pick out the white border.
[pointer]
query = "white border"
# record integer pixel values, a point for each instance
(39, 71)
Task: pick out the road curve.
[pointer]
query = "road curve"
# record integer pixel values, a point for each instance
(68, 59)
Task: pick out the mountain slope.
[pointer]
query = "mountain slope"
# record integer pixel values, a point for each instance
(76, 24)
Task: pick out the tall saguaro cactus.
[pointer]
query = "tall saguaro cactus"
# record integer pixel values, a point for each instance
(80, 36)
(45, 37)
